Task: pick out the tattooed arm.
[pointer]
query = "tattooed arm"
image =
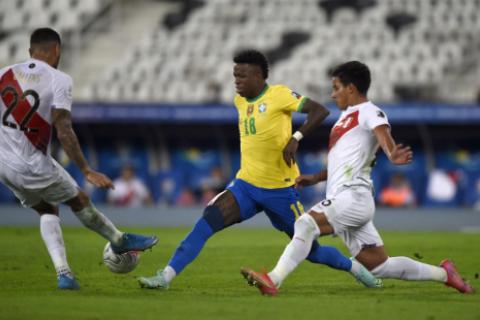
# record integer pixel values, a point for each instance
(68, 139)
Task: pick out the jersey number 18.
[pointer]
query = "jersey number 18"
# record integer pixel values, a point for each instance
(249, 124)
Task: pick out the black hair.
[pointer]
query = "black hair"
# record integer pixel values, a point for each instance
(253, 57)
(353, 72)
(44, 35)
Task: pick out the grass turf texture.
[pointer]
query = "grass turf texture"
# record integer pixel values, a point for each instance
(212, 287)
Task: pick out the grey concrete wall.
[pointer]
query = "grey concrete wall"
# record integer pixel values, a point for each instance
(387, 219)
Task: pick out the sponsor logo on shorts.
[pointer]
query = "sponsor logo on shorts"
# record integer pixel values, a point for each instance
(326, 202)
(369, 245)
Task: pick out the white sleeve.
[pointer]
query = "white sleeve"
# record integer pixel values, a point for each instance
(62, 92)
(372, 117)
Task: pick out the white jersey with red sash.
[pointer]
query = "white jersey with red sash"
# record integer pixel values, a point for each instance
(28, 93)
(352, 147)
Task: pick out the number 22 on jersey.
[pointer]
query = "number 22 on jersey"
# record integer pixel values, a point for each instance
(12, 103)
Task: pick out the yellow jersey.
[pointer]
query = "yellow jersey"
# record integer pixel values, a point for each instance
(265, 125)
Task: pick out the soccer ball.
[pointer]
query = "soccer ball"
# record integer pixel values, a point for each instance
(120, 263)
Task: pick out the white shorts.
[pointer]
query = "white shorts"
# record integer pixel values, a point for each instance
(350, 213)
(63, 187)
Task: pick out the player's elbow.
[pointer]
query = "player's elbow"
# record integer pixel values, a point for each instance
(321, 111)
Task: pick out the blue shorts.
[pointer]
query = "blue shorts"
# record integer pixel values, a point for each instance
(282, 205)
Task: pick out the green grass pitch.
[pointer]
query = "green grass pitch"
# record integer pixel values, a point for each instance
(212, 287)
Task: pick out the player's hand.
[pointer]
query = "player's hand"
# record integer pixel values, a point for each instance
(305, 180)
(289, 152)
(401, 155)
(98, 179)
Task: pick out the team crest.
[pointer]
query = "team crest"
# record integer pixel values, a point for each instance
(262, 107)
(249, 110)
(296, 95)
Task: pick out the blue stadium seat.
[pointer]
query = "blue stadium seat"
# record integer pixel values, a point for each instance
(197, 164)
(98, 195)
(138, 157)
(472, 190)
(167, 185)
(109, 161)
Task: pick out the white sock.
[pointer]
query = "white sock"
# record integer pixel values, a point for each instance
(356, 267)
(169, 273)
(306, 230)
(96, 221)
(409, 269)
(53, 238)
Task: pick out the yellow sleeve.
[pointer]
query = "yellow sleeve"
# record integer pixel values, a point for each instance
(289, 100)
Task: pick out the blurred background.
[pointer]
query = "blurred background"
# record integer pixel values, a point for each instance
(154, 88)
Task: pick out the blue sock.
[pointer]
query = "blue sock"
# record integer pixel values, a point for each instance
(191, 245)
(329, 256)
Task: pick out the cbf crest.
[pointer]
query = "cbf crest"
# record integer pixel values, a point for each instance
(262, 107)
(249, 110)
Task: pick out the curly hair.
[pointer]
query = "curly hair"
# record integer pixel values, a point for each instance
(253, 57)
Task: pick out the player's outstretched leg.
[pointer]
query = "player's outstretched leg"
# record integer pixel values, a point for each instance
(454, 279)
(408, 269)
(222, 212)
(188, 250)
(93, 219)
(260, 280)
(306, 231)
(332, 257)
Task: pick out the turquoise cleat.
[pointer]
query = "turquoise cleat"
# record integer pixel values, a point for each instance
(135, 242)
(365, 277)
(67, 282)
(155, 282)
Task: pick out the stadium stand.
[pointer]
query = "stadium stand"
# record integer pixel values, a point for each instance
(19, 17)
(187, 59)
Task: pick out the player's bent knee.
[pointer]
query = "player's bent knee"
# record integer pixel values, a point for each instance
(79, 202)
(322, 222)
(306, 226)
(213, 215)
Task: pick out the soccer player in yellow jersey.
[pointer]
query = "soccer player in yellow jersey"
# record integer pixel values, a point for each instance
(265, 181)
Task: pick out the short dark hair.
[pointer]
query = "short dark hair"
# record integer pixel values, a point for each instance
(44, 35)
(253, 57)
(353, 72)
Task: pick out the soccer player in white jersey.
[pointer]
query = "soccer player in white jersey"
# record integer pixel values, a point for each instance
(35, 97)
(349, 207)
